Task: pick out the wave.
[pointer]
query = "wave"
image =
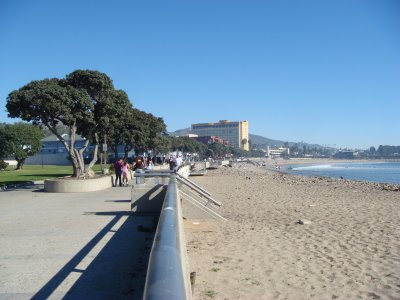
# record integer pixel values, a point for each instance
(352, 166)
(315, 167)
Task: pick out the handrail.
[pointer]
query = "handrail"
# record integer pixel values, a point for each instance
(196, 185)
(199, 191)
(165, 273)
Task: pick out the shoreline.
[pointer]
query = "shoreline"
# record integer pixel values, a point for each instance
(271, 167)
(350, 249)
(306, 161)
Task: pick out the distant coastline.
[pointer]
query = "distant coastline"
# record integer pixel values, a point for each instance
(382, 171)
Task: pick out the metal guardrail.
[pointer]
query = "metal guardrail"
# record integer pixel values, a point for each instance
(165, 273)
(199, 190)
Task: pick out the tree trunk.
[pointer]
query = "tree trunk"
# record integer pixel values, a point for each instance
(74, 171)
(76, 156)
(20, 164)
(94, 159)
(126, 152)
(80, 164)
(105, 153)
(127, 149)
(116, 152)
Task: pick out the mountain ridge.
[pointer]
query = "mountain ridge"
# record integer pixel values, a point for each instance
(257, 140)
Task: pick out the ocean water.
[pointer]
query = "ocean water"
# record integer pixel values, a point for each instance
(384, 172)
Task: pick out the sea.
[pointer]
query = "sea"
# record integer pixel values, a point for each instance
(383, 172)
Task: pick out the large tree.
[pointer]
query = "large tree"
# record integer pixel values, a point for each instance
(109, 106)
(84, 102)
(50, 102)
(19, 141)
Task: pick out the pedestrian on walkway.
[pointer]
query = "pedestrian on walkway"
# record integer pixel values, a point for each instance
(125, 172)
(118, 171)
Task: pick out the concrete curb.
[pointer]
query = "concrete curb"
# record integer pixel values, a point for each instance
(77, 185)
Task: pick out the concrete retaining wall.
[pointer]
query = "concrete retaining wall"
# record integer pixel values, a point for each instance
(148, 197)
(223, 162)
(77, 185)
(184, 171)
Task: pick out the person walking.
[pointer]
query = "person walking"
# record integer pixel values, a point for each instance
(149, 164)
(125, 172)
(118, 171)
(138, 168)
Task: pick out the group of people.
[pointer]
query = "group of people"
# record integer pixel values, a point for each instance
(122, 168)
(175, 162)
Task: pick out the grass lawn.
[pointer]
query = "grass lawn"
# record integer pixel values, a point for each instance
(32, 173)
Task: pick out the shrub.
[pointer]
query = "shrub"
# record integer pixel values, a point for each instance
(3, 165)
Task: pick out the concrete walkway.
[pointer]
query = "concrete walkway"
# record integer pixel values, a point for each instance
(71, 246)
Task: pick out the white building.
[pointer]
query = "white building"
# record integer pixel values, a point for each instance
(277, 152)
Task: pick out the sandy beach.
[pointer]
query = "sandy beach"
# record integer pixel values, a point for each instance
(350, 250)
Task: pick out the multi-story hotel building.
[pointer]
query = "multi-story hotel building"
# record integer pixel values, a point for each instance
(236, 133)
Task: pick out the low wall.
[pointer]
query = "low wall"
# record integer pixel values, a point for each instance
(223, 162)
(11, 162)
(77, 185)
(184, 171)
(148, 197)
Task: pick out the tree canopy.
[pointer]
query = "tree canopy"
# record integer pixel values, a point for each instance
(19, 141)
(85, 102)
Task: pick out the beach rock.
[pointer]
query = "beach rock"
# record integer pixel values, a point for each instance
(304, 222)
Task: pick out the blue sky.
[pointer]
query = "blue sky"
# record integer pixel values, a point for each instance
(324, 72)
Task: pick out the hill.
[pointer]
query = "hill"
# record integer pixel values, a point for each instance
(257, 140)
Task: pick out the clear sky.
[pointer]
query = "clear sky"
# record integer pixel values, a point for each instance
(318, 71)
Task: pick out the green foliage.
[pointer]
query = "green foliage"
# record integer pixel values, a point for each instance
(49, 102)
(85, 102)
(138, 130)
(20, 140)
(108, 104)
(3, 165)
(5, 143)
(163, 144)
(219, 150)
(187, 144)
(251, 145)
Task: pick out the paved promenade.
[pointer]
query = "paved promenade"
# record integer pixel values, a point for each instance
(72, 246)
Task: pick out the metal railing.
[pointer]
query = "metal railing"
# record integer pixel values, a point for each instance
(166, 278)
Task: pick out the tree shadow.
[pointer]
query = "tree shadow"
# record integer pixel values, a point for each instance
(118, 201)
(118, 270)
(28, 186)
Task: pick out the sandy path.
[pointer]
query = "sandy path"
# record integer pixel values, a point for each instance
(351, 250)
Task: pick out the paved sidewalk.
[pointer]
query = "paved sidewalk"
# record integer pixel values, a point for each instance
(72, 246)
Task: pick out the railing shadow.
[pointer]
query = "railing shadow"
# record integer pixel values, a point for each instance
(118, 270)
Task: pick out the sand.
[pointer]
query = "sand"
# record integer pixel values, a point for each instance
(351, 249)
